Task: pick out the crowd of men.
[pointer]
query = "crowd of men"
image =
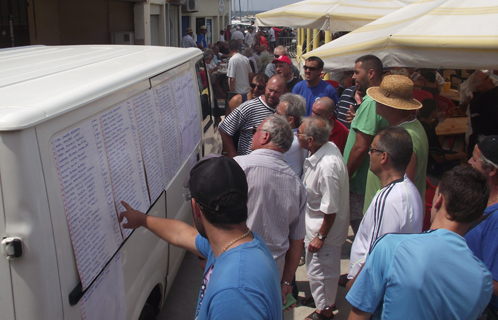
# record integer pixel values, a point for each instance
(296, 172)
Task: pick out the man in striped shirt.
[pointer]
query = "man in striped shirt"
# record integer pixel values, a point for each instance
(277, 198)
(397, 207)
(249, 115)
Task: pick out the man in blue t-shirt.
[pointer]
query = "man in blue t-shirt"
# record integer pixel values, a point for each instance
(432, 275)
(313, 87)
(241, 277)
(201, 38)
(483, 238)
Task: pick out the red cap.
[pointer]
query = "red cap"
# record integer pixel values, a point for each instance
(282, 58)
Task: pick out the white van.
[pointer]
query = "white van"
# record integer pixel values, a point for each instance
(82, 128)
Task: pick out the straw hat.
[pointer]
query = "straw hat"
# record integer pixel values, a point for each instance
(396, 92)
(189, 30)
(203, 28)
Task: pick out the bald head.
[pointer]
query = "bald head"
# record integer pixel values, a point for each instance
(275, 87)
(324, 108)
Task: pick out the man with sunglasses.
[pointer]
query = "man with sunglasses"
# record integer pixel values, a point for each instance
(248, 115)
(313, 87)
(258, 85)
(397, 207)
(270, 68)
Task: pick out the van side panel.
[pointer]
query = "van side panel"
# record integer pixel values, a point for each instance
(6, 302)
(35, 279)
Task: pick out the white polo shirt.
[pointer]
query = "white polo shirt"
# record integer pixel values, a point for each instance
(325, 177)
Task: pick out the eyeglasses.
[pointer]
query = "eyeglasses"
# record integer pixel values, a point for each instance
(300, 134)
(255, 129)
(310, 68)
(260, 87)
(277, 56)
(370, 150)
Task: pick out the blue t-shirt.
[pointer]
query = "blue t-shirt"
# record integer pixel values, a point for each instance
(322, 89)
(432, 275)
(483, 241)
(201, 40)
(241, 283)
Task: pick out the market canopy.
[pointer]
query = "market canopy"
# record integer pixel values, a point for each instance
(448, 34)
(330, 15)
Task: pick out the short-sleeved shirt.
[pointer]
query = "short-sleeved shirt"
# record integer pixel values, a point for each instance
(277, 200)
(311, 94)
(201, 40)
(369, 122)
(339, 135)
(239, 69)
(295, 156)
(421, 150)
(483, 241)
(246, 116)
(396, 208)
(237, 35)
(346, 99)
(243, 280)
(432, 275)
(325, 178)
(249, 40)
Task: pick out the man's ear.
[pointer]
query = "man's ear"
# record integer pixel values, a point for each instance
(439, 201)
(195, 209)
(265, 138)
(371, 74)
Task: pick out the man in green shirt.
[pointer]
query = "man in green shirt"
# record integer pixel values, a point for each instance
(395, 102)
(367, 73)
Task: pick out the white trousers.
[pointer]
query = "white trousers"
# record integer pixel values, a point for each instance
(324, 269)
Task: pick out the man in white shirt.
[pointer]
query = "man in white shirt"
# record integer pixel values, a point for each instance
(325, 177)
(397, 207)
(239, 70)
(271, 35)
(238, 35)
(249, 40)
(187, 40)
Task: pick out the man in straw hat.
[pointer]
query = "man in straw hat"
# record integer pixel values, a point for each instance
(431, 275)
(201, 38)
(483, 238)
(187, 40)
(240, 271)
(395, 103)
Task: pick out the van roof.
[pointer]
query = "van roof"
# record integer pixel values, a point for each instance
(40, 82)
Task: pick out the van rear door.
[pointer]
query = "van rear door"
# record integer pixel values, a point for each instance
(6, 301)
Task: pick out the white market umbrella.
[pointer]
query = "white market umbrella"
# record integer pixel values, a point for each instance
(448, 34)
(330, 15)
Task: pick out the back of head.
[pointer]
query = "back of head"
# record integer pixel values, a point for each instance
(428, 106)
(280, 132)
(466, 194)
(317, 60)
(370, 61)
(248, 52)
(296, 107)
(489, 156)
(396, 141)
(317, 128)
(219, 186)
(281, 49)
(429, 75)
(233, 45)
(327, 104)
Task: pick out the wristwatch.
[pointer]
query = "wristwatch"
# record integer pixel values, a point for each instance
(321, 237)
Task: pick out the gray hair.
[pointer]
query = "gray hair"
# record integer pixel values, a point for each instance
(486, 163)
(207, 55)
(317, 128)
(280, 132)
(281, 48)
(248, 52)
(296, 106)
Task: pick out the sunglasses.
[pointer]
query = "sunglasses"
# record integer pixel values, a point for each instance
(277, 56)
(310, 68)
(257, 85)
(255, 129)
(370, 150)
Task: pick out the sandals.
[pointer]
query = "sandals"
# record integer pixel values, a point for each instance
(308, 302)
(317, 316)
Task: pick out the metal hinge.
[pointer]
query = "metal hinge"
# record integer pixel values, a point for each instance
(12, 247)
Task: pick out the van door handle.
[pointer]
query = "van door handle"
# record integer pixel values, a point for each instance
(12, 247)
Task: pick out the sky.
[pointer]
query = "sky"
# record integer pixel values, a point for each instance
(262, 5)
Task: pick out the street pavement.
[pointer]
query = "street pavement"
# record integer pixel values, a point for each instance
(182, 298)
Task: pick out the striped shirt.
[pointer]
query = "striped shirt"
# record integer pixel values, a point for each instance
(277, 201)
(342, 108)
(248, 115)
(397, 208)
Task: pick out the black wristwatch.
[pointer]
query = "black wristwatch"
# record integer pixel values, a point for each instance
(321, 237)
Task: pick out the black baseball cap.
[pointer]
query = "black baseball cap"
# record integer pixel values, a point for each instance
(214, 177)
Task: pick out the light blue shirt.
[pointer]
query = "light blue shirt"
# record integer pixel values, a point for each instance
(432, 275)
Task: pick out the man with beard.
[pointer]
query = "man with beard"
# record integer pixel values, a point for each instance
(249, 115)
(246, 274)
(313, 87)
